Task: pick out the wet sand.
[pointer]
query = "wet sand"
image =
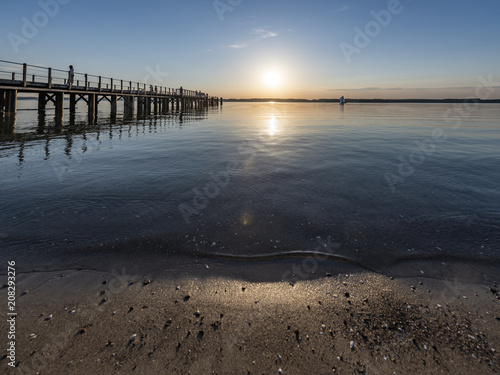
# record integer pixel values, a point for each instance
(202, 322)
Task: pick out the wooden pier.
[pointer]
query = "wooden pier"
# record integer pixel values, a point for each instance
(53, 85)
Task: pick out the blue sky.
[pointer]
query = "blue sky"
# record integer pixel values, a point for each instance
(270, 48)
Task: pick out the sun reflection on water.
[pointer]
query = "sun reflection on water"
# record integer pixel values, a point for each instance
(272, 125)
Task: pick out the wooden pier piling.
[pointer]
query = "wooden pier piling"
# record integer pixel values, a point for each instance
(41, 102)
(11, 102)
(114, 100)
(128, 107)
(91, 102)
(8, 124)
(2, 101)
(59, 102)
(72, 104)
(140, 106)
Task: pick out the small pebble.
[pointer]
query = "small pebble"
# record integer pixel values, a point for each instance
(132, 338)
(351, 345)
(48, 317)
(146, 282)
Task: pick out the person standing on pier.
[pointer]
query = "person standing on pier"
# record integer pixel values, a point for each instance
(180, 90)
(71, 75)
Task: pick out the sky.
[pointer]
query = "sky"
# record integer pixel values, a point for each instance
(267, 48)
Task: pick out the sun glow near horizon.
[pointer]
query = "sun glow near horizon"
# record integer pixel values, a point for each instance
(272, 79)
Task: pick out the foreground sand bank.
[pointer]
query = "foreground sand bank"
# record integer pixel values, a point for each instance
(89, 322)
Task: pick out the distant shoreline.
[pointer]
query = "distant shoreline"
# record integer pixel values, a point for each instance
(347, 100)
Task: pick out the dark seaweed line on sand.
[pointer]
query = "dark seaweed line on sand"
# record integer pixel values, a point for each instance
(338, 257)
(301, 254)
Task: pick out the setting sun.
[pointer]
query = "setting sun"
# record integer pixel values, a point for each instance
(272, 79)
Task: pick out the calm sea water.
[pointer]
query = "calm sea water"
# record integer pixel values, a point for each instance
(374, 182)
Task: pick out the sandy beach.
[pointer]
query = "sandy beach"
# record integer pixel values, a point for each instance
(234, 187)
(201, 322)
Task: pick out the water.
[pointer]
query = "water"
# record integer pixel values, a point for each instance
(373, 182)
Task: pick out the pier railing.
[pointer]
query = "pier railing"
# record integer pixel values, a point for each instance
(33, 76)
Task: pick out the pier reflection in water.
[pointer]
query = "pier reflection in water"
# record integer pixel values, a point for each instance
(21, 131)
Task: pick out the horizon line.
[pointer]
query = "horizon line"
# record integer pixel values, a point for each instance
(368, 99)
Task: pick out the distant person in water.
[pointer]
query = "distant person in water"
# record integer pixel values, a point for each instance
(71, 75)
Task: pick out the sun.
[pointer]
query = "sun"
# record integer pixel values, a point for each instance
(272, 79)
